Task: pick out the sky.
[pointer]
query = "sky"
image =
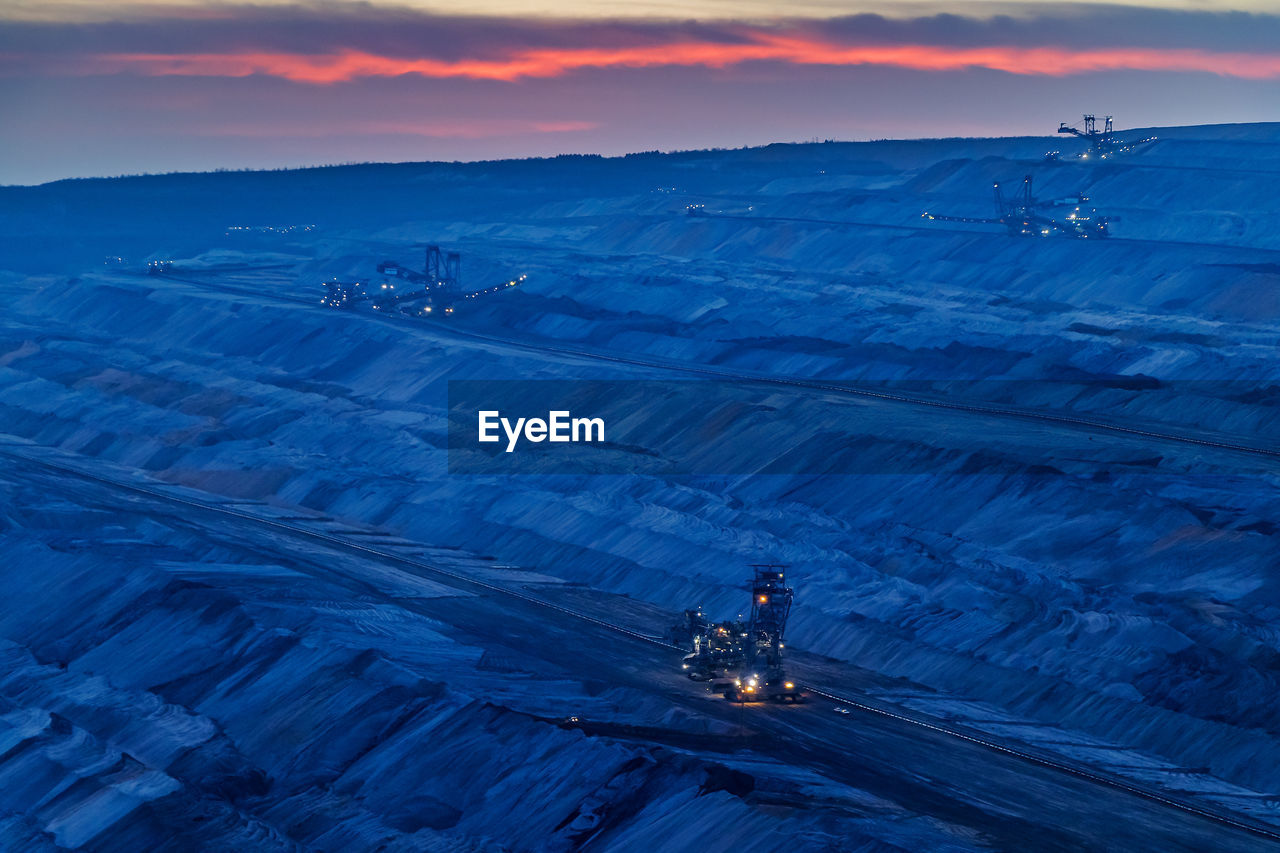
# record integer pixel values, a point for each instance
(91, 88)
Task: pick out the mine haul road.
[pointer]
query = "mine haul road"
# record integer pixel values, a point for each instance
(1015, 804)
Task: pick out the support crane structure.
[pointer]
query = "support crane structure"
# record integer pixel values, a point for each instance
(743, 661)
(1023, 215)
(1102, 143)
(434, 291)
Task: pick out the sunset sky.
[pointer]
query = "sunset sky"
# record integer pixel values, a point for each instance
(91, 88)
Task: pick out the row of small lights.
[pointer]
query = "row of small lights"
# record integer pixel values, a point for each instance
(271, 229)
(426, 309)
(496, 288)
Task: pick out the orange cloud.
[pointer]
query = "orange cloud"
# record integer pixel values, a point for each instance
(350, 65)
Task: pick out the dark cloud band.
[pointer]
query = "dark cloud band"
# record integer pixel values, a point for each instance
(407, 34)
